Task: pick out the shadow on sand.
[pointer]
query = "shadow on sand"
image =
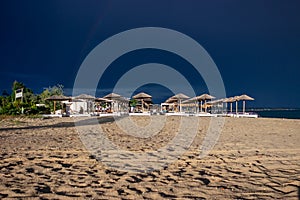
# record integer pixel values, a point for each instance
(84, 122)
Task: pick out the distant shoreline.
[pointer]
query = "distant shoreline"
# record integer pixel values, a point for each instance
(271, 109)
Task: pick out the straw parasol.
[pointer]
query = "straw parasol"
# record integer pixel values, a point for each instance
(216, 104)
(84, 96)
(178, 97)
(216, 101)
(102, 100)
(230, 100)
(236, 99)
(244, 98)
(55, 98)
(143, 97)
(203, 97)
(112, 96)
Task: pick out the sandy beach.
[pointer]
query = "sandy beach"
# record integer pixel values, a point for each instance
(253, 159)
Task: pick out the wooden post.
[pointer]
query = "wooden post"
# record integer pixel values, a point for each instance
(236, 107)
(244, 107)
(179, 105)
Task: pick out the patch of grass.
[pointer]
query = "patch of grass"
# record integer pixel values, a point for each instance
(37, 116)
(17, 122)
(18, 119)
(5, 117)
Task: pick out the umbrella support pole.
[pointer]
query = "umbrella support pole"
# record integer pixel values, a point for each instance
(201, 106)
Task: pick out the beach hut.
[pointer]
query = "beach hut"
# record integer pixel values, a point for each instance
(144, 99)
(86, 102)
(56, 98)
(118, 102)
(101, 104)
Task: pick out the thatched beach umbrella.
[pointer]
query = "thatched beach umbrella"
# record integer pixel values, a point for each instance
(217, 104)
(244, 98)
(216, 101)
(190, 102)
(112, 96)
(178, 97)
(55, 98)
(236, 99)
(84, 96)
(203, 97)
(102, 100)
(143, 97)
(230, 100)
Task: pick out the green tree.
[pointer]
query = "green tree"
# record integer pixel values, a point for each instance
(56, 90)
(133, 102)
(50, 91)
(28, 95)
(12, 106)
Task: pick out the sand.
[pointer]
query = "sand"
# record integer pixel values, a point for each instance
(253, 159)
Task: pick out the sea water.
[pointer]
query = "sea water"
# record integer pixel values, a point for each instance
(278, 113)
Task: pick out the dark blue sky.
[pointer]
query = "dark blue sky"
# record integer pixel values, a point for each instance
(255, 44)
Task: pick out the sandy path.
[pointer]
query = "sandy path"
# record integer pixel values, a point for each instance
(253, 159)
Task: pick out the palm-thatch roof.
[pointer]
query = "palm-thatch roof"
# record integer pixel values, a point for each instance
(230, 99)
(177, 97)
(112, 96)
(103, 100)
(217, 101)
(203, 97)
(84, 96)
(142, 95)
(245, 97)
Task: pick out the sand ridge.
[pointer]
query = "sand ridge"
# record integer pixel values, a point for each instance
(253, 159)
